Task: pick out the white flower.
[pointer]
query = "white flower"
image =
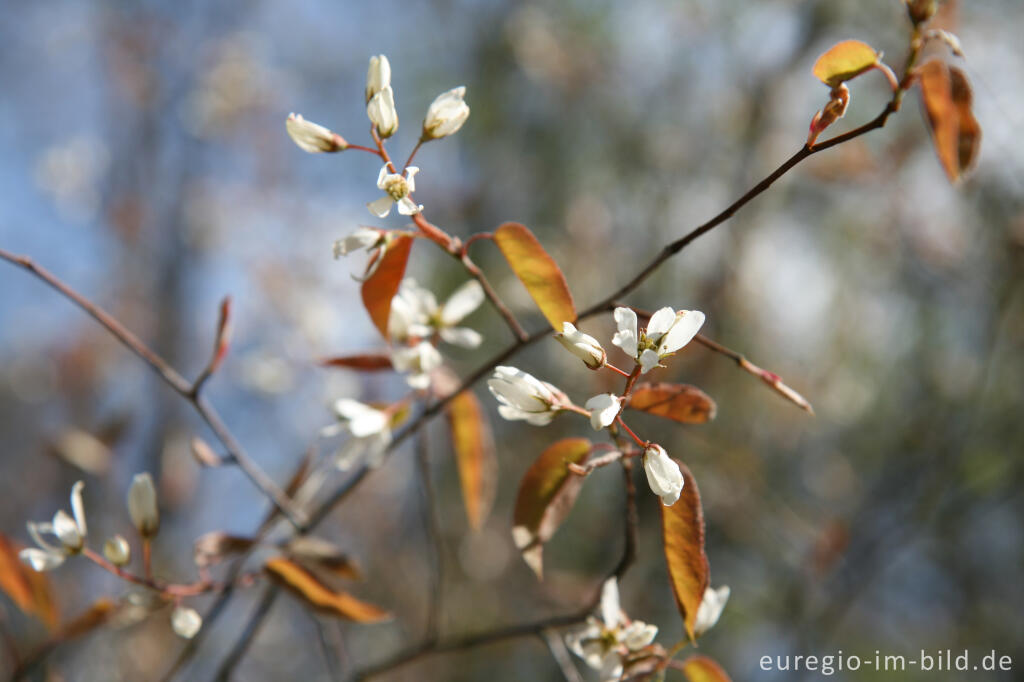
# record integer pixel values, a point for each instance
(604, 409)
(363, 238)
(382, 113)
(397, 189)
(460, 304)
(186, 622)
(378, 75)
(370, 429)
(667, 332)
(603, 643)
(69, 530)
(419, 360)
(446, 114)
(663, 475)
(710, 609)
(117, 550)
(313, 137)
(585, 347)
(522, 396)
(142, 505)
(416, 314)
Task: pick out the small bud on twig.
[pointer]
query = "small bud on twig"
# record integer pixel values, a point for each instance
(142, 505)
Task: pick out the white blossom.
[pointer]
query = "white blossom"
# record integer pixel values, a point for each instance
(186, 622)
(142, 507)
(663, 474)
(710, 609)
(382, 113)
(446, 114)
(667, 332)
(583, 346)
(397, 189)
(604, 409)
(523, 396)
(378, 75)
(313, 137)
(418, 360)
(370, 431)
(363, 238)
(70, 531)
(603, 642)
(415, 313)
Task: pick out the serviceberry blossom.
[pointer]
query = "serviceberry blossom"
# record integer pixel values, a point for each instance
(446, 114)
(710, 609)
(142, 505)
(417, 361)
(604, 409)
(603, 642)
(380, 98)
(415, 313)
(667, 332)
(186, 622)
(70, 532)
(378, 75)
(663, 474)
(583, 346)
(364, 238)
(523, 396)
(370, 431)
(313, 137)
(396, 190)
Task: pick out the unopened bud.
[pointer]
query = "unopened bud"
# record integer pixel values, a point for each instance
(378, 76)
(583, 346)
(186, 622)
(382, 113)
(446, 114)
(117, 550)
(204, 453)
(313, 137)
(142, 505)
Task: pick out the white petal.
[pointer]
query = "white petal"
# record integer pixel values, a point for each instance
(661, 322)
(710, 609)
(663, 475)
(626, 338)
(40, 560)
(462, 302)
(604, 409)
(66, 530)
(686, 326)
(407, 206)
(648, 361)
(77, 508)
(381, 207)
(410, 177)
(186, 622)
(463, 337)
(610, 610)
(418, 381)
(36, 530)
(638, 634)
(611, 667)
(382, 177)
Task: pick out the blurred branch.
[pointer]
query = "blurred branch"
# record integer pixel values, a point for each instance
(173, 379)
(433, 533)
(252, 628)
(560, 653)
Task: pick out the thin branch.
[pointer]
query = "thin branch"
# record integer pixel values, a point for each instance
(560, 653)
(252, 628)
(172, 378)
(503, 310)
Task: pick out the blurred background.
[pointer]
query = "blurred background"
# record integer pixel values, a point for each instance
(144, 160)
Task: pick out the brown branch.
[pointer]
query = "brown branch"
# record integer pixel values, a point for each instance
(173, 379)
(503, 310)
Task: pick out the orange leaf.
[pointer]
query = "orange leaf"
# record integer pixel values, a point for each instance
(678, 402)
(703, 669)
(538, 272)
(844, 61)
(29, 590)
(380, 287)
(546, 495)
(366, 362)
(319, 596)
(474, 455)
(682, 527)
(947, 101)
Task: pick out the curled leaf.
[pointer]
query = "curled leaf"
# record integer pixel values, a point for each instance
(380, 287)
(703, 669)
(546, 496)
(678, 402)
(538, 272)
(320, 596)
(474, 455)
(365, 362)
(682, 526)
(947, 101)
(844, 61)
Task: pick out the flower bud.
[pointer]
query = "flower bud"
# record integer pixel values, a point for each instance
(378, 76)
(583, 346)
(381, 112)
(663, 475)
(186, 622)
(604, 409)
(710, 609)
(921, 10)
(117, 550)
(142, 505)
(312, 137)
(446, 114)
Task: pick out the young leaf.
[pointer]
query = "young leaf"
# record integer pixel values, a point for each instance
(320, 596)
(844, 61)
(474, 455)
(678, 402)
(703, 669)
(365, 362)
(29, 590)
(380, 287)
(682, 527)
(947, 100)
(538, 272)
(546, 496)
